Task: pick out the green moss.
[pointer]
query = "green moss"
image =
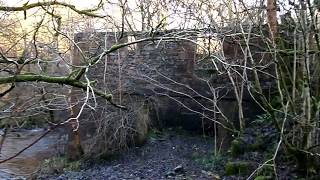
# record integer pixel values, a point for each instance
(266, 171)
(257, 145)
(263, 118)
(263, 178)
(25, 122)
(6, 123)
(237, 147)
(58, 165)
(155, 134)
(210, 160)
(237, 168)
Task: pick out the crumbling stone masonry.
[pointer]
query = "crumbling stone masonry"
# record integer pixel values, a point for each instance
(164, 76)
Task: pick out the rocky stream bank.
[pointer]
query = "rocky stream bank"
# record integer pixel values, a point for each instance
(164, 156)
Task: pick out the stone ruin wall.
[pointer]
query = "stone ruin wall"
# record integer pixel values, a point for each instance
(161, 74)
(158, 74)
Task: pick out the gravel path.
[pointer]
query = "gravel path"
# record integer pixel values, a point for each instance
(165, 157)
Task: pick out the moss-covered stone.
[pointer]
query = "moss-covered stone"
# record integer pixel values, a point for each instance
(237, 168)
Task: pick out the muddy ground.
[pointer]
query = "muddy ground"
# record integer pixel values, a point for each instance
(164, 156)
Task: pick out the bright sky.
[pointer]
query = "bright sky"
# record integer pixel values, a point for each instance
(173, 20)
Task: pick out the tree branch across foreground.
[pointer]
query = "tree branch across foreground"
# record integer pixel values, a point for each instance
(63, 80)
(75, 82)
(27, 6)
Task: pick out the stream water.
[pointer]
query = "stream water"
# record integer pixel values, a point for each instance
(29, 161)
